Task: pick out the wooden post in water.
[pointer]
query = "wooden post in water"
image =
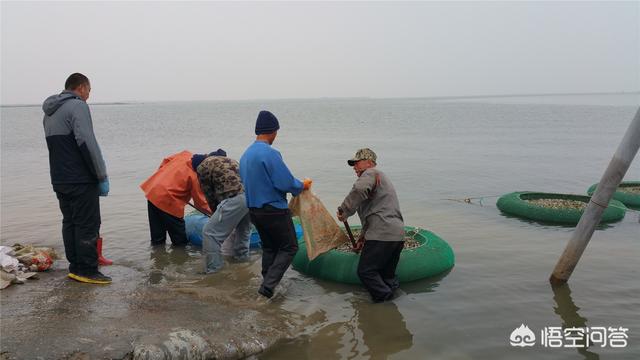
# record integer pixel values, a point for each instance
(599, 201)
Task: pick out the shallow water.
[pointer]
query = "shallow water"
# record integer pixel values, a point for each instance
(432, 151)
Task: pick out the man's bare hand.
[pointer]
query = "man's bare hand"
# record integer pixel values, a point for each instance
(341, 216)
(359, 245)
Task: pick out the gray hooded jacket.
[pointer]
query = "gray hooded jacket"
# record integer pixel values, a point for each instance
(74, 154)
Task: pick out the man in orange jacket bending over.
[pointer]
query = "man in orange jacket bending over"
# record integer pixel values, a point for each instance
(169, 190)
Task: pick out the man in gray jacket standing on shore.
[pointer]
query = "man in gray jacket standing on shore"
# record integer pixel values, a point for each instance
(382, 237)
(78, 175)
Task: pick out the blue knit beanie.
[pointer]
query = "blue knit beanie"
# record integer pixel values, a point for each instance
(196, 159)
(218, 152)
(266, 123)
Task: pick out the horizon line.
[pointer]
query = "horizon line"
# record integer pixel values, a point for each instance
(443, 97)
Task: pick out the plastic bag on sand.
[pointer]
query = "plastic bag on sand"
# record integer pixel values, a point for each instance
(8, 250)
(8, 263)
(321, 233)
(36, 258)
(39, 261)
(20, 249)
(15, 277)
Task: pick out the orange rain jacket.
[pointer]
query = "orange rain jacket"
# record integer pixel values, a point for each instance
(174, 184)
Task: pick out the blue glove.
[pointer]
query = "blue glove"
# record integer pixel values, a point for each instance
(104, 187)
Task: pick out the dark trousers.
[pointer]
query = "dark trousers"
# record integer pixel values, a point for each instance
(377, 268)
(161, 222)
(80, 207)
(279, 243)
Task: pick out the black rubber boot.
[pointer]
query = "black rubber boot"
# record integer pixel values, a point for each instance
(93, 278)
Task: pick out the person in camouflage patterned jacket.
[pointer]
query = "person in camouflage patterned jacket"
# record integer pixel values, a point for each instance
(219, 178)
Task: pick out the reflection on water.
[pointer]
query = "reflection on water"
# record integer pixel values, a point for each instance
(370, 331)
(166, 261)
(348, 325)
(568, 311)
(424, 285)
(384, 331)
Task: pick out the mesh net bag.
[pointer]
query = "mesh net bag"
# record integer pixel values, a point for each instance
(321, 233)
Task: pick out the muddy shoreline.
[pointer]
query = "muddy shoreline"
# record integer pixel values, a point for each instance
(201, 317)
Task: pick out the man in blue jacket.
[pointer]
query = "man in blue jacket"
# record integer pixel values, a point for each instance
(267, 180)
(78, 175)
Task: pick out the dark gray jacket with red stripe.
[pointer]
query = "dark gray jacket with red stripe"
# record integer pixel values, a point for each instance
(74, 154)
(374, 198)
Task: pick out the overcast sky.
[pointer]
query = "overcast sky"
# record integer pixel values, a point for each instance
(156, 51)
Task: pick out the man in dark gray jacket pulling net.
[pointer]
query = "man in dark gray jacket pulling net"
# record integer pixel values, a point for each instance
(374, 198)
(78, 175)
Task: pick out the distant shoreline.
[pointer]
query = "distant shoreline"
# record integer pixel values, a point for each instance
(447, 97)
(92, 104)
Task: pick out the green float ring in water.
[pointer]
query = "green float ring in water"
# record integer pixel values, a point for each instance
(515, 204)
(433, 257)
(626, 198)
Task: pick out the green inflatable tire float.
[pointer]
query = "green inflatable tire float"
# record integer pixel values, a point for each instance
(625, 197)
(516, 204)
(433, 257)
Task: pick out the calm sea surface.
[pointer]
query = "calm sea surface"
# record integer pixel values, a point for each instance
(432, 151)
